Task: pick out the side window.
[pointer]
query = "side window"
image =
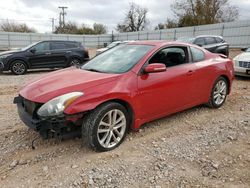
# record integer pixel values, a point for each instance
(199, 41)
(42, 47)
(210, 40)
(71, 45)
(198, 55)
(58, 46)
(171, 56)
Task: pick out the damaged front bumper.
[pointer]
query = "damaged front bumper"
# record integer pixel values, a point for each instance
(52, 127)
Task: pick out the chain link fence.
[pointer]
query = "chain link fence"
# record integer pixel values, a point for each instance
(237, 34)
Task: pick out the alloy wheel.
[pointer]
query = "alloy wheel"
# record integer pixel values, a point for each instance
(220, 92)
(18, 68)
(111, 128)
(75, 62)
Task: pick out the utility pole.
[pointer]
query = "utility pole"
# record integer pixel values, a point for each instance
(53, 24)
(62, 16)
(60, 20)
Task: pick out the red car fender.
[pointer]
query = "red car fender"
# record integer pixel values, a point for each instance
(111, 91)
(91, 104)
(223, 69)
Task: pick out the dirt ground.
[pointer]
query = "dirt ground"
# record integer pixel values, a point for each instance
(199, 147)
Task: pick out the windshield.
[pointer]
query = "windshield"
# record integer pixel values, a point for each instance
(113, 44)
(118, 60)
(187, 40)
(27, 47)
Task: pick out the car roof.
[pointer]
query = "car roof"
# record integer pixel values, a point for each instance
(191, 37)
(208, 36)
(159, 43)
(59, 41)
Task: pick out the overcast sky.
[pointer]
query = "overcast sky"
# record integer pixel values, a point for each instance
(37, 14)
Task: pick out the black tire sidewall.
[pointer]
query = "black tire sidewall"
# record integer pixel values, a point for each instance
(97, 116)
(18, 61)
(213, 104)
(77, 59)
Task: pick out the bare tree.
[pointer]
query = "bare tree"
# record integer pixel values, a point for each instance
(198, 12)
(16, 27)
(73, 28)
(99, 28)
(135, 19)
(170, 23)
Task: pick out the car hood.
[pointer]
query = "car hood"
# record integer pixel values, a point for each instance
(245, 56)
(62, 82)
(8, 52)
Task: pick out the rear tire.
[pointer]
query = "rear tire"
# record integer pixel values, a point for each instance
(18, 67)
(219, 93)
(105, 128)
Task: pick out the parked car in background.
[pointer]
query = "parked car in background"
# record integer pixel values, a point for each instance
(44, 54)
(124, 88)
(212, 43)
(111, 45)
(242, 63)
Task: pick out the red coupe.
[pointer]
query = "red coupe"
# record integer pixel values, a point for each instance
(124, 88)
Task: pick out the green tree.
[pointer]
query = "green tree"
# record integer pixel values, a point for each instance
(68, 28)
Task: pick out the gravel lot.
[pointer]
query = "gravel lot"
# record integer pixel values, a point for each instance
(199, 147)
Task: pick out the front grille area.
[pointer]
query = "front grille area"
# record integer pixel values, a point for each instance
(30, 107)
(244, 64)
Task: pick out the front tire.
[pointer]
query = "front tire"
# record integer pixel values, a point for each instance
(18, 67)
(75, 62)
(105, 128)
(219, 93)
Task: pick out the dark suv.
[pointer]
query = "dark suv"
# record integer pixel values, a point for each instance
(214, 44)
(44, 54)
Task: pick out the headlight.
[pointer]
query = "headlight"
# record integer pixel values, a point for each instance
(57, 105)
(5, 56)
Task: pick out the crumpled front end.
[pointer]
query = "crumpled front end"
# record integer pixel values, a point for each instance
(62, 126)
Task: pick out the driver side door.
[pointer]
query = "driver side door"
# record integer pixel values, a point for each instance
(163, 93)
(39, 56)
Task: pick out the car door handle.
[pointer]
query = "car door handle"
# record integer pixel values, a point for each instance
(48, 53)
(68, 52)
(190, 72)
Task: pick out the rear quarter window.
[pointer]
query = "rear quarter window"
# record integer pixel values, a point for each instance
(197, 54)
(58, 46)
(219, 40)
(72, 45)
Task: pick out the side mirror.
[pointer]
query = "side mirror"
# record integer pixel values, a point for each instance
(243, 49)
(155, 67)
(33, 50)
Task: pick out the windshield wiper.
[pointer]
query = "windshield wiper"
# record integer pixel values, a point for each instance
(93, 70)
